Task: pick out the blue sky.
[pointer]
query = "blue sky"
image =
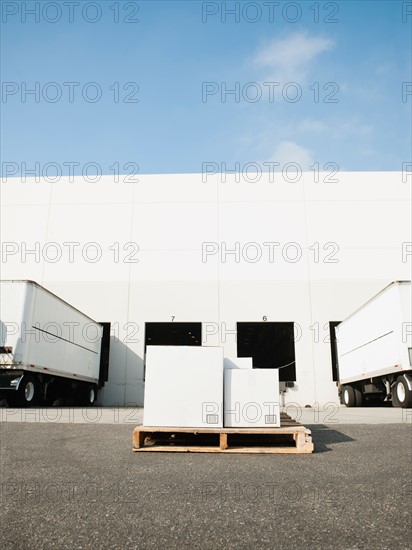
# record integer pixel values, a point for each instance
(179, 58)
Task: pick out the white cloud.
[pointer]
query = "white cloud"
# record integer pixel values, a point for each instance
(312, 126)
(352, 127)
(289, 151)
(289, 59)
(384, 68)
(336, 128)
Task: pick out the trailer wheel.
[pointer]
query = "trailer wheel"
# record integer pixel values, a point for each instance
(358, 397)
(352, 396)
(50, 396)
(28, 393)
(348, 396)
(88, 394)
(401, 394)
(91, 394)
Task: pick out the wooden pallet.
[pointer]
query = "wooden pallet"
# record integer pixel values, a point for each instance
(291, 437)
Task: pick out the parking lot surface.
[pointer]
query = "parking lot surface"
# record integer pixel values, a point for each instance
(329, 414)
(80, 485)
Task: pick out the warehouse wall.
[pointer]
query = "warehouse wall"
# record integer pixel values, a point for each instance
(149, 260)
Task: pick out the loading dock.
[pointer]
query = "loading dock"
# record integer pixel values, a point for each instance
(334, 349)
(172, 334)
(270, 344)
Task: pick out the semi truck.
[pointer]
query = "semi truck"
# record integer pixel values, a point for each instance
(374, 349)
(49, 349)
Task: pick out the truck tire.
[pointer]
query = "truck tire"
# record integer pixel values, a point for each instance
(50, 396)
(91, 394)
(351, 396)
(358, 397)
(348, 396)
(28, 394)
(88, 395)
(401, 394)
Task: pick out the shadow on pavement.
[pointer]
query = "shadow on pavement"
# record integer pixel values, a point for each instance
(323, 437)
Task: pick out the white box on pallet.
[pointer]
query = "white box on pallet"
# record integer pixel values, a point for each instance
(251, 398)
(238, 363)
(184, 386)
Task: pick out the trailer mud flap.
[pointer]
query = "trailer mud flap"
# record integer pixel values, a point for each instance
(408, 379)
(10, 380)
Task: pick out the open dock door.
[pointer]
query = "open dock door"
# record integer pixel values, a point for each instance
(172, 334)
(271, 345)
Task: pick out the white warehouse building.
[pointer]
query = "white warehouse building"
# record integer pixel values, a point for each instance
(265, 268)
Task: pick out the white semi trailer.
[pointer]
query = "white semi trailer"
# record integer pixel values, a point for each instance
(48, 348)
(374, 348)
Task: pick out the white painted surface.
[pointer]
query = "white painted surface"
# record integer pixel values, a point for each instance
(251, 398)
(375, 339)
(367, 214)
(238, 363)
(184, 386)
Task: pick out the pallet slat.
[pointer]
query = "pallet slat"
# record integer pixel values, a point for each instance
(152, 439)
(229, 450)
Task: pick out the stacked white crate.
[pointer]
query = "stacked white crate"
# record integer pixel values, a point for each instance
(184, 386)
(251, 396)
(191, 386)
(238, 363)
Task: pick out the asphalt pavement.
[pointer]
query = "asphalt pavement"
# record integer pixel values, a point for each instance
(80, 485)
(330, 414)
